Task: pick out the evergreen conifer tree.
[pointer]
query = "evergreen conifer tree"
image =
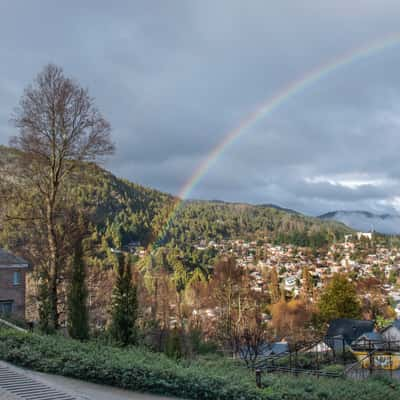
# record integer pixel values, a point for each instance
(124, 305)
(78, 321)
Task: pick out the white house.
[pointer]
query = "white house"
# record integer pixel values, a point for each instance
(366, 235)
(392, 332)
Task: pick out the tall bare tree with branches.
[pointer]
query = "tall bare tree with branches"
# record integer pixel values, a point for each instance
(59, 129)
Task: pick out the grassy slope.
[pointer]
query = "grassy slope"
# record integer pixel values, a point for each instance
(142, 370)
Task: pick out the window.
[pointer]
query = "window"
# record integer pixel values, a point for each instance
(6, 307)
(16, 278)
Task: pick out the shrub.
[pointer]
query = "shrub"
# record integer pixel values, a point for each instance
(139, 369)
(174, 348)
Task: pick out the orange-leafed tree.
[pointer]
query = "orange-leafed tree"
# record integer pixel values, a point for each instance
(291, 319)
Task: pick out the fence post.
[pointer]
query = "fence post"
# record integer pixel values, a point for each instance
(370, 363)
(258, 378)
(343, 352)
(391, 365)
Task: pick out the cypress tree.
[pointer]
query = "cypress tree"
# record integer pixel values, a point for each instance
(124, 305)
(274, 286)
(78, 321)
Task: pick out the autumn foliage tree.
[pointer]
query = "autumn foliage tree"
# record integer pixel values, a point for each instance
(290, 319)
(307, 285)
(225, 291)
(375, 303)
(239, 324)
(274, 286)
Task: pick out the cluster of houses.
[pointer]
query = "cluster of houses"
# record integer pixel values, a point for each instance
(259, 258)
(360, 337)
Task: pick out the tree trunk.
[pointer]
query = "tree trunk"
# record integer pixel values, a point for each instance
(53, 265)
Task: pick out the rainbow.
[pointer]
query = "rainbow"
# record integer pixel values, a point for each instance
(267, 107)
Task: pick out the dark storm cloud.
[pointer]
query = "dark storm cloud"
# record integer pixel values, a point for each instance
(174, 77)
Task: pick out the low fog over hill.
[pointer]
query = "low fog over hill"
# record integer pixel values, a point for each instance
(366, 221)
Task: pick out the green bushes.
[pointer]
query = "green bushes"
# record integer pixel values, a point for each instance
(174, 348)
(131, 368)
(139, 369)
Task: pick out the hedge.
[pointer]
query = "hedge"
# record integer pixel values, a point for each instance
(139, 369)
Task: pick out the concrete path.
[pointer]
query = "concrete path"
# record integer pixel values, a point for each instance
(80, 390)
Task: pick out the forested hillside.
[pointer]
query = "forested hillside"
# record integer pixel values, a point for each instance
(122, 212)
(197, 220)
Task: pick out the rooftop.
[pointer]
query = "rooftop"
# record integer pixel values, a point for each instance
(349, 329)
(7, 259)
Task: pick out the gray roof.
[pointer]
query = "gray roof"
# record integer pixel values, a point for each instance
(7, 259)
(276, 348)
(370, 339)
(372, 336)
(279, 348)
(349, 329)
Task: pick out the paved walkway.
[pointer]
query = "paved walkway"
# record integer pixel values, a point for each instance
(21, 386)
(70, 388)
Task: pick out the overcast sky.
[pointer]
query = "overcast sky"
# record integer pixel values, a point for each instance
(174, 77)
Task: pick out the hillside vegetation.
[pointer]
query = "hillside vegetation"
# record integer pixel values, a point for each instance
(122, 211)
(212, 220)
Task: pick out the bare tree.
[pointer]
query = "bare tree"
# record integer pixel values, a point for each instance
(59, 129)
(249, 342)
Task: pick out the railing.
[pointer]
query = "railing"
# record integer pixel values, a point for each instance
(292, 361)
(10, 325)
(296, 371)
(263, 363)
(337, 353)
(382, 345)
(357, 371)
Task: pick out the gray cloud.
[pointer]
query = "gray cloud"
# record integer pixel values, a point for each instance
(174, 77)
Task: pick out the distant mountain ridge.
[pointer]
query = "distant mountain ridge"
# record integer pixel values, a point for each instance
(263, 205)
(366, 220)
(288, 210)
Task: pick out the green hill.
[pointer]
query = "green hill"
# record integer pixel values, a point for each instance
(123, 212)
(210, 220)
